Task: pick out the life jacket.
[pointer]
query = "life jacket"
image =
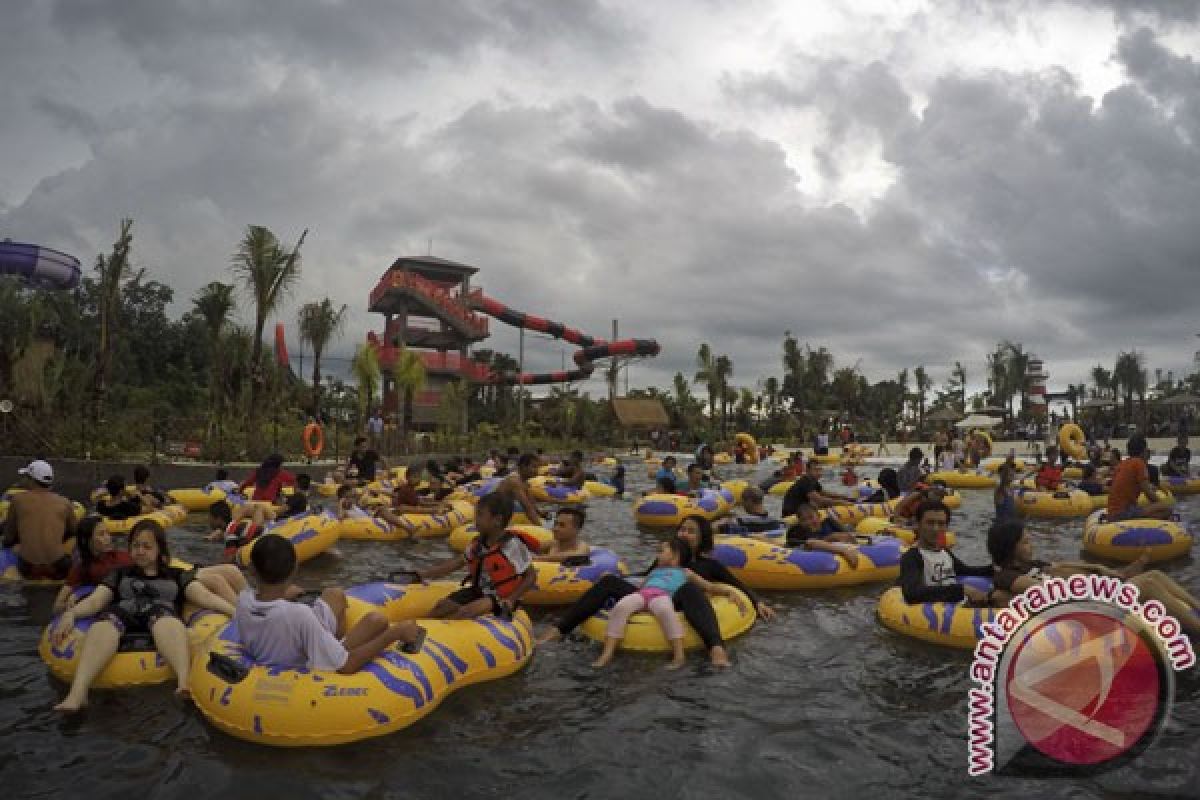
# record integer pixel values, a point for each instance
(240, 532)
(500, 570)
(1048, 477)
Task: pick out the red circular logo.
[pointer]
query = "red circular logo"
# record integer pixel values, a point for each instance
(1083, 688)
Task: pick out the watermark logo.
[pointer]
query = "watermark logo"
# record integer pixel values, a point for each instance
(1076, 674)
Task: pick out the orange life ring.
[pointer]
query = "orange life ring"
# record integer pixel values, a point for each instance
(313, 439)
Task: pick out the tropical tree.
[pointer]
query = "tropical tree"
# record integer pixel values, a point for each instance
(845, 389)
(1103, 379)
(114, 272)
(1129, 378)
(1016, 370)
(365, 368)
(408, 372)
(268, 270)
(706, 373)
(213, 304)
(793, 369)
(318, 324)
(958, 378)
(999, 391)
(723, 367)
(924, 384)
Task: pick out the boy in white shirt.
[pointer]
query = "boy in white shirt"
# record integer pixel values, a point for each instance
(284, 633)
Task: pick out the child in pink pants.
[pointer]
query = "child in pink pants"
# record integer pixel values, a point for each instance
(656, 596)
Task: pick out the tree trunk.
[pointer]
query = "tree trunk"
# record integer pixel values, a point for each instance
(316, 385)
(253, 415)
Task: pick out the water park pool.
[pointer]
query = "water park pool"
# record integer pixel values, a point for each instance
(822, 702)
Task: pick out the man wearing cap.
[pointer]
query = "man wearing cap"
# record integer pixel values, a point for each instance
(39, 522)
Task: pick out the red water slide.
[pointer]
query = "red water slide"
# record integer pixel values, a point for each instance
(591, 348)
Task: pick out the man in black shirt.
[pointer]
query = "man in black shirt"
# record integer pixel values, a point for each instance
(1179, 461)
(807, 489)
(366, 460)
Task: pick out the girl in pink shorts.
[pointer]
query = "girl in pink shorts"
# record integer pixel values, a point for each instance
(656, 596)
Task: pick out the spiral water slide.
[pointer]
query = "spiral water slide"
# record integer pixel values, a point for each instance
(591, 348)
(39, 266)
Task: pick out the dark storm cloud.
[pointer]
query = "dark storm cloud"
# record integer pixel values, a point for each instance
(206, 41)
(1020, 207)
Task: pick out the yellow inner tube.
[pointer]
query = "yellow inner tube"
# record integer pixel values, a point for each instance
(947, 624)
(298, 708)
(643, 634)
(1072, 441)
(1127, 540)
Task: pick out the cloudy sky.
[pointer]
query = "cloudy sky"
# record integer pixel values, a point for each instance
(904, 182)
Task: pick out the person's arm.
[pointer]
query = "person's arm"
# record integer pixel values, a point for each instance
(527, 581)
(912, 582)
(91, 605)
(63, 599)
(723, 589)
(527, 503)
(202, 596)
(965, 570)
(1150, 490)
(721, 574)
(442, 569)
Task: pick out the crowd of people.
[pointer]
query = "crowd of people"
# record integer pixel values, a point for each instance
(141, 591)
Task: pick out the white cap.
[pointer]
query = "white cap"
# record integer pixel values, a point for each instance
(39, 471)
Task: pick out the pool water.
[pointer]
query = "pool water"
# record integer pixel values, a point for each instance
(822, 702)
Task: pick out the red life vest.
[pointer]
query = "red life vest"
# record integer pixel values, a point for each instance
(500, 570)
(237, 534)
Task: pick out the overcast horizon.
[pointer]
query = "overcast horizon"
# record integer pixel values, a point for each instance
(903, 183)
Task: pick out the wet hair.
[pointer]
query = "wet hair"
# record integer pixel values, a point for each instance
(344, 491)
(706, 532)
(578, 512)
(667, 484)
(930, 505)
(527, 460)
(1153, 473)
(222, 474)
(115, 485)
(916, 454)
(1089, 471)
(221, 510)
(752, 495)
(303, 481)
(890, 481)
(804, 508)
(267, 471)
(1002, 539)
(681, 549)
(84, 532)
(694, 467)
(1006, 472)
(160, 538)
(498, 504)
(273, 558)
(1136, 446)
(672, 459)
(141, 474)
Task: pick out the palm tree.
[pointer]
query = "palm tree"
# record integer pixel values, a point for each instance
(1129, 378)
(706, 373)
(999, 392)
(214, 303)
(793, 368)
(924, 383)
(115, 273)
(268, 271)
(1016, 368)
(409, 374)
(902, 382)
(723, 371)
(959, 376)
(1103, 380)
(365, 368)
(319, 323)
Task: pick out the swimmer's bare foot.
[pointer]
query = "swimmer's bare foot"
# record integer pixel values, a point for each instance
(718, 657)
(183, 693)
(601, 662)
(851, 557)
(675, 663)
(551, 634)
(70, 705)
